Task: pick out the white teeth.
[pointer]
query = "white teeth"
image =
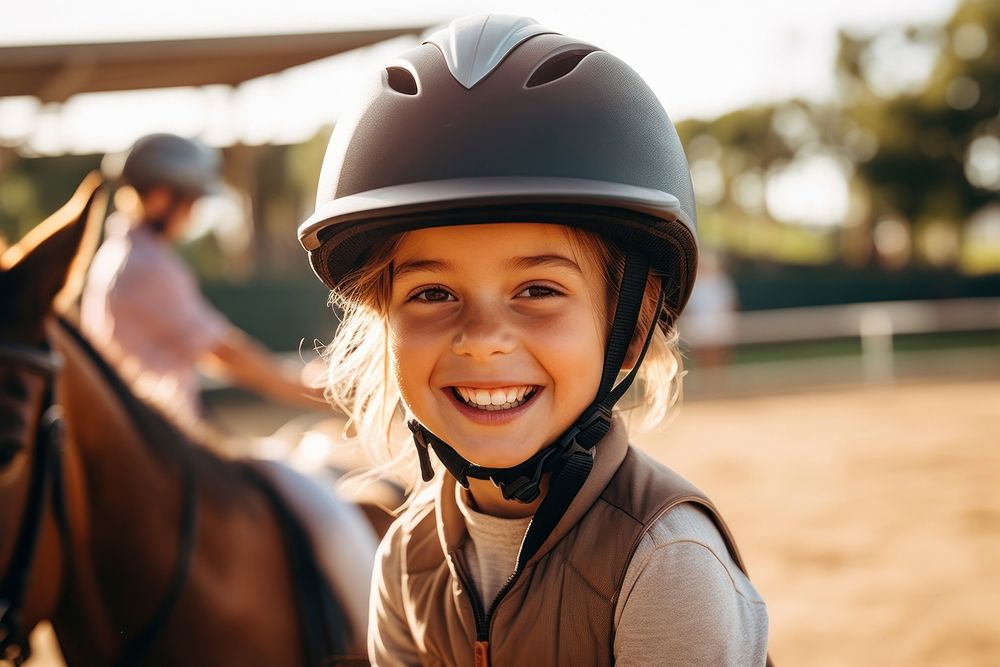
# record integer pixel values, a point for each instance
(494, 399)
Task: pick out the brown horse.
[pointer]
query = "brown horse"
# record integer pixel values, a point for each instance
(140, 546)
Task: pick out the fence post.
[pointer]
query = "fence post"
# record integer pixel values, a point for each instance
(875, 329)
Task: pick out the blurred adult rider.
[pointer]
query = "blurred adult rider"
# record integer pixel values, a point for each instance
(141, 304)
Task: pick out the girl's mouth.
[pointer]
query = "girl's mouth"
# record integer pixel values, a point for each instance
(491, 400)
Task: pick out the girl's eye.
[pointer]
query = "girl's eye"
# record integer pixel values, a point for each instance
(538, 292)
(432, 295)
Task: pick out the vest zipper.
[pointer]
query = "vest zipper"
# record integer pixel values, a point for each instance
(482, 619)
(477, 604)
(499, 596)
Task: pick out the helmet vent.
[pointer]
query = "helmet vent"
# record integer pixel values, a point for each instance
(557, 67)
(401, 80)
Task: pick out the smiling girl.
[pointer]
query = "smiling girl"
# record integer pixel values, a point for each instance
(508, 222)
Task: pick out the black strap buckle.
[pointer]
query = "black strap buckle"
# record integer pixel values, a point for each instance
(420, 440)
(526, 486)
(525, 489)
(578, 440)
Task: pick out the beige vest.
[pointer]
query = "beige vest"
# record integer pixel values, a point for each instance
(560, 611)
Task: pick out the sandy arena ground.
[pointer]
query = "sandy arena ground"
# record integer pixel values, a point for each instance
(869, 517)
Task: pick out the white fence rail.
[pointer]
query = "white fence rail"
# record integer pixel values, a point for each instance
(875, 324)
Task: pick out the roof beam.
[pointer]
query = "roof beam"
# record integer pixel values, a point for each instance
(54, 72)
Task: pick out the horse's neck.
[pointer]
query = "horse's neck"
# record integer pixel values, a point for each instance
(133, 490)
(114, 455)
(124, 507)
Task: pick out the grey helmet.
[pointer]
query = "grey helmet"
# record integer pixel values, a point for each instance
(185, 165)
(497, 119)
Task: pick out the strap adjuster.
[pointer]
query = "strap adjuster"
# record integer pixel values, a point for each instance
(420, 440)
(590, 431)
(525, 489)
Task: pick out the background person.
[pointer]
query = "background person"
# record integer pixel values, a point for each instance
(141, 304)
(710, 321)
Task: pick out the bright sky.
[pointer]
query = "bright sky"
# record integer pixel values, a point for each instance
(702, 58)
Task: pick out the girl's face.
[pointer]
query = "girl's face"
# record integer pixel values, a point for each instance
(496, 335)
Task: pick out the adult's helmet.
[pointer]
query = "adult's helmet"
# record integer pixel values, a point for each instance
(497, 118)
(187, 166)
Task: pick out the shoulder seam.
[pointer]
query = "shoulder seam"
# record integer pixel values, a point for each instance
(580, 574)
(709, 549)
(620, 509)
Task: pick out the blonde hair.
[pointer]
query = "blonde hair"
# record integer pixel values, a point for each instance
(360, 382)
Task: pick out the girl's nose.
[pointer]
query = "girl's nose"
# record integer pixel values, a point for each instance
(482, 334)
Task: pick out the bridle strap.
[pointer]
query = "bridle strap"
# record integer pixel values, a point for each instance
(38, 360)
(47, 473)
(14, 645)
(141, 643)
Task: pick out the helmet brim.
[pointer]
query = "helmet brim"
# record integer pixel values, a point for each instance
(341, 232)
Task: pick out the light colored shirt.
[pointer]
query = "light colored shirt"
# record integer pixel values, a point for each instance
(684, 597)
(143, 309)
(491, 550)
(710, 316)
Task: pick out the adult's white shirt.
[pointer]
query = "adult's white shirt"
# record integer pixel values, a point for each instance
(142, 307)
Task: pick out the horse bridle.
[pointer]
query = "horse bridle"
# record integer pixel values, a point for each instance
(47, 473)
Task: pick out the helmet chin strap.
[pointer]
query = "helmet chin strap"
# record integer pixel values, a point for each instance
(522, 482)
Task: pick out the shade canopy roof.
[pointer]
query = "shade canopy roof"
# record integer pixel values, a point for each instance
(54, 72)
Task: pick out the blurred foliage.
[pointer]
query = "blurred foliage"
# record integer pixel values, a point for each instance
(915, 131)
(924, 137)
(282, 314)
(30, 190)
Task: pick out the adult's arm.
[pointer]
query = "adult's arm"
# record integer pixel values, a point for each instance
(242, 360)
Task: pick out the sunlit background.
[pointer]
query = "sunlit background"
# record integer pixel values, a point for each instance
(846, 160)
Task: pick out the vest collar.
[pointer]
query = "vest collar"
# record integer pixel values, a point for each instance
(608, 456)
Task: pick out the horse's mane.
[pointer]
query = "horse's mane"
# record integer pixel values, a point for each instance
(164, 438)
